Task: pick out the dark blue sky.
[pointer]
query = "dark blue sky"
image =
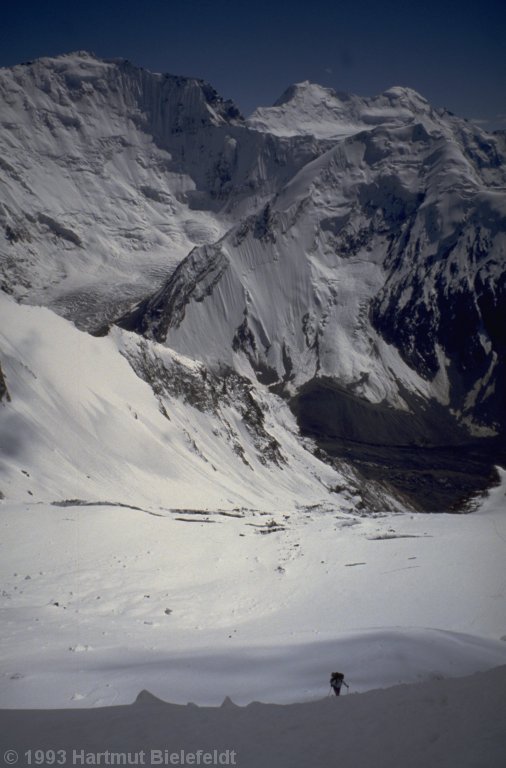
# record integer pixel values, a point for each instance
(454, 53)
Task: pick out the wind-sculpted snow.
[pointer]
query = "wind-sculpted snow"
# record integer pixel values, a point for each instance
(103, 599)
(439, 723)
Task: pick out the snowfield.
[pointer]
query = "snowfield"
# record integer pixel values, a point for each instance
(442, 724)
(100, 602)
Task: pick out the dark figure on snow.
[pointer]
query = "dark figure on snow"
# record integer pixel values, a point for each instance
(336, 681)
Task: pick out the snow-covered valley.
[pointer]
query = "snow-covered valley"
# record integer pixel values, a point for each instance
(181, 551)
(101, 601)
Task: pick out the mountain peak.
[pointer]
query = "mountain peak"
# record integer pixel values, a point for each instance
(80, 54)
(67, 57)
(303, 90)
(406, 97)
(308, 108)
(346, 252)
(78, 69)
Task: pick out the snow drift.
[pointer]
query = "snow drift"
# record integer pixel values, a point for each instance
(442, 723)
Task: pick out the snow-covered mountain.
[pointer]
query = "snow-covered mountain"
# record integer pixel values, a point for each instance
(343, 253)
(237, 355)
(363, 269)
(126, 421)
(371, 287)
(111, 174)
(310, 109)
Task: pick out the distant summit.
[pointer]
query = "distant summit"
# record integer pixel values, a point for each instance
(310, 109)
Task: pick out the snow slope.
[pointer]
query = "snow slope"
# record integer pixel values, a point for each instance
(81, 424)
(442, 723)
(155, 535)
(102, 601)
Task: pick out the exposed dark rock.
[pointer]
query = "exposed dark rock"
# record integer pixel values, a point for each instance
(193, 279)
(59, 230)
(326, 409)
(244, 339)
(463, 316)
(425, 454)
(208, 392)
(4, 392)
(264, 225)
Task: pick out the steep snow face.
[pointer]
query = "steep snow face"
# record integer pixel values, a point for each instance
(128, 421)
(379, 266)
(111, 174)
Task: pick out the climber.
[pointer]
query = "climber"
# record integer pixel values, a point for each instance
(336, 681)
